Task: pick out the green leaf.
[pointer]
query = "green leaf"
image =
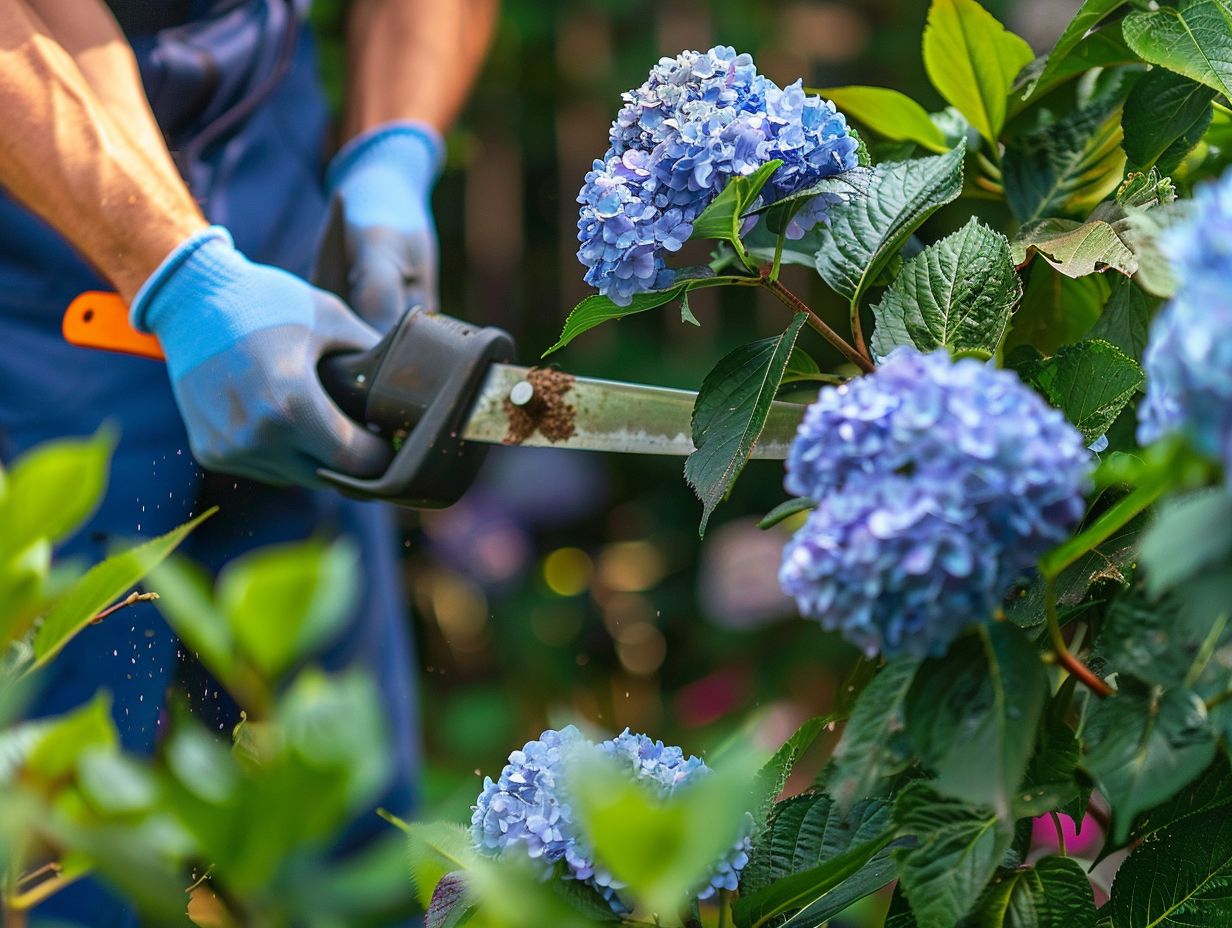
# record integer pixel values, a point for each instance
(957, 293)
(662, 848)
(865, 233)
(1050, 784)
(435, 850)
(722, 218)
(959, 847)
(1208, 795)
(985, 700)
(1144, 229)
(804, 890)
(114, 783)
(972, 60)
(1163, 109)
(597, 309)
(1143, 745)
(874, 745)
(450, 902)
(186, 602)
(730, 412)
(102, 585)
(1054, 893)
(773, 776)
(889, 113)
(807, 830)
(1126, 318)
(1076, 249)
(801, 367)
(1066, 168)
(686, 314)
(281, 601)
(1191, 534)
(1055, 310)
(1156, 641)
(53, 489)
(1194, 40)
(1087, 18)
(1181, 878)
(1091, 382)
(786, 510)
(54, 753)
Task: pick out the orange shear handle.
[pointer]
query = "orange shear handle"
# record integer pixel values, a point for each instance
(97, 319)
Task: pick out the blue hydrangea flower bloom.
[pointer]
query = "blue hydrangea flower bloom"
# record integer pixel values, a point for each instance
(526, 810)
(938, 483)
(699, 120)
(1188, 358)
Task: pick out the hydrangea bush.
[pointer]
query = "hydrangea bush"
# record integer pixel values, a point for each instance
(1031, 559)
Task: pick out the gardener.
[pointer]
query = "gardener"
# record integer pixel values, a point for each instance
(203, 215)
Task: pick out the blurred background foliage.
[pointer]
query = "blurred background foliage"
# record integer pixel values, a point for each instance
(572, 586)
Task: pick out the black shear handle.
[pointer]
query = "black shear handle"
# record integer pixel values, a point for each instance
(416, 388)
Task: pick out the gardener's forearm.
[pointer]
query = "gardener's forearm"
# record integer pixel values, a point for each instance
(413, 59)
(66, 158)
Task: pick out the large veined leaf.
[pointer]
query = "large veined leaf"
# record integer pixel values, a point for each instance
(1091, 382)
(721, 219)
(1194, 39)
(1155, 641)
(866, 232)
(874, 745)
(972, 60)
(730, 412)
(983, 700)
(1143, 745)
(1165, 116)
(1065, 169)
(773, 776)
(1126, 318)
(1086, 19)
(1208, 795)
(1193, 533)
(1055, 309)
(1180, 878)
(1051, 783)
(1054, 893)
(958, 850)
(1076, 249)
(889, 113)
(100, 586)
(956, 293)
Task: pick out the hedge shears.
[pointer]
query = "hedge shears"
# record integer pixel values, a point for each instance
(442, 390)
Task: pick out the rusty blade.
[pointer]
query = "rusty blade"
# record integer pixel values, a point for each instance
(605, 415)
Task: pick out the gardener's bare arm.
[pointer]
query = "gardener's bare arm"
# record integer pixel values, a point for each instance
(84, 154)
(413, 59)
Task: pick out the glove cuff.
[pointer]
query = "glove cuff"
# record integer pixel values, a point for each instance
(410, 143)
(208, 248)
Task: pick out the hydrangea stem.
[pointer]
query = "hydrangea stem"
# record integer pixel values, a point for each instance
(1064, 656)
(725, 909)
(793, 302)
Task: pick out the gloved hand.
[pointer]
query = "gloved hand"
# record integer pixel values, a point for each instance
(382, 180)
(242, 341)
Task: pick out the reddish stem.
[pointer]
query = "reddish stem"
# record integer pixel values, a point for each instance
(793, 302)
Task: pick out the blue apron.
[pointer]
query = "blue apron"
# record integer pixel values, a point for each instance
(233, 85)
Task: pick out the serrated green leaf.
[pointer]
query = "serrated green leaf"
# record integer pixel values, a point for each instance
(865, 233)
(1050, 783)
(1179, 879)
(1087, 18)
(1207, 795)
(983, 700)
(1091, 382)
(773, 776)
(597, 309)
(786, 510)
(1194, 39)
(1126, 318)
(435, 850)
(805, 889)
(958, 850)
(722, 217)
(874, 744)
(889, 113)
(450, 902)
(1076, 249)
(1162, 109)
(730, 412)
(957, 293)
(102, 585)
(1053, 893)
(1191, 534)
(1066, 168)
(972, 60)
(1143, 745)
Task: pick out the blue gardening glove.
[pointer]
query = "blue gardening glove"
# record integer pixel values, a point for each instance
(242, 342)
(382, 182)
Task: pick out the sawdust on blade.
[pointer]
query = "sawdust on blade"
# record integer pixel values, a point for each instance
(547, 412)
